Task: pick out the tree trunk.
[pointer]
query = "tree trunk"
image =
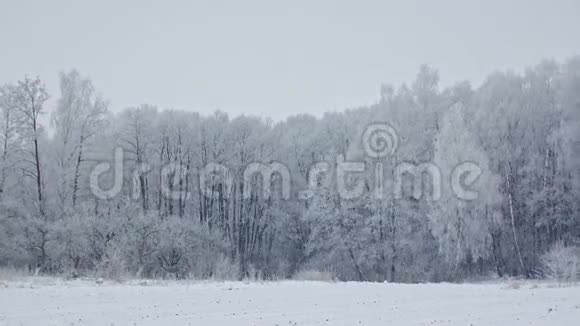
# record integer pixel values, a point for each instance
(76, 175)
(513, 220)
(361, 276)
(38, 177)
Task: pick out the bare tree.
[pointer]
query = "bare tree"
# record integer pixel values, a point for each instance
(79, 116)
(30, 97)
(8, 133)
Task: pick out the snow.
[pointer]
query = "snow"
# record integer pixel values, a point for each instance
(53, 302)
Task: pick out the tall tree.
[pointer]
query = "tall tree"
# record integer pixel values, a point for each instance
(9, 136)
(79, 116)
(461, 223)
(30, 96)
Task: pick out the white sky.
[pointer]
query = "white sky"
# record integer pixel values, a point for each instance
(274, 58)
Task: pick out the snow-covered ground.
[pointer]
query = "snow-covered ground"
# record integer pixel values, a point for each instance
(52, 302)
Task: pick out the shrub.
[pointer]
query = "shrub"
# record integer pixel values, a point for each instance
(112, 266)
(314, 275)
(224, 269)
(561, 263)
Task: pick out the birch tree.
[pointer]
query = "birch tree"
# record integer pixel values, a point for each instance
(78, 118)
(9, 137)
(30, 96)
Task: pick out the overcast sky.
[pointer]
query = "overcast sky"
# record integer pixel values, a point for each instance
(274, 58)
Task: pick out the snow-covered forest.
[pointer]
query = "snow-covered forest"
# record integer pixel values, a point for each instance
(193, 220)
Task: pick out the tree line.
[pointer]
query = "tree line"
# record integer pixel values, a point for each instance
(521, 129)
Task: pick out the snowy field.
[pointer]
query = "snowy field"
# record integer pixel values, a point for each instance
(51, 302)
